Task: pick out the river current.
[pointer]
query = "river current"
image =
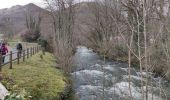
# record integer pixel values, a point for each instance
(98, 79)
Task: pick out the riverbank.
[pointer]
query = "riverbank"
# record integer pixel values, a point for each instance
(120, 54)
(36, 79)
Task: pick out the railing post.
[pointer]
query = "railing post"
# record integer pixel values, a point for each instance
(10, 59)
(18, 57)
(27, 53)
(36, 49)
(0, 62)
(39, 48)
(23, 55)
(31, 51)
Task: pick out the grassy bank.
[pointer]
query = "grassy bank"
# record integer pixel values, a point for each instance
(36, 79)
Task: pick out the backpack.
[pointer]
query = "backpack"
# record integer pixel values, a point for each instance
(19, 46)
(3, 50)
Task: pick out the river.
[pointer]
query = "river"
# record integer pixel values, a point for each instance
(96, 79)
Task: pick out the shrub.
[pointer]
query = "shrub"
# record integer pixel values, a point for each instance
(30, 36)
(14, 97)
(33, 29)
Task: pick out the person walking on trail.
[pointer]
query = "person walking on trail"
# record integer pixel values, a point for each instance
(4, 51)
(19, 49)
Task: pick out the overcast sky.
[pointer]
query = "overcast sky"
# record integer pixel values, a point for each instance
(10, 3)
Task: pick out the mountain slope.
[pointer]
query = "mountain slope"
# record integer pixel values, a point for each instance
(13, 18)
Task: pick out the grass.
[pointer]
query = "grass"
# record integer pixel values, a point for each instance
(25, 44)
(37, 77)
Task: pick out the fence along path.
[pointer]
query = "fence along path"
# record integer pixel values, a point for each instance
(14, 56)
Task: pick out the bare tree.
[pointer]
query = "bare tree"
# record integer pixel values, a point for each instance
(33, 28)
(142, 25)
(62, 13)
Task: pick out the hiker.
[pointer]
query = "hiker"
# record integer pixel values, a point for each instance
(4, 51)
(19, 49)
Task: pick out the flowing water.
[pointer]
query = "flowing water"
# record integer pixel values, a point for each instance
(96, 79)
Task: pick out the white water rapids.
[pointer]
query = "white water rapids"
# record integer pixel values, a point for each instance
(96, 79)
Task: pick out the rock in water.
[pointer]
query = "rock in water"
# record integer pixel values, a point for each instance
(3, 92)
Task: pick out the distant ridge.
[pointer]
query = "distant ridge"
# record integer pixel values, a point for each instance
(17, 15)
